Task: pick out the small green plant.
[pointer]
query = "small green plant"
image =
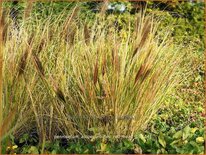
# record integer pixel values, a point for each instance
(185, 141)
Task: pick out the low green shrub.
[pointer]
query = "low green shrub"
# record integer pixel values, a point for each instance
(188, 140)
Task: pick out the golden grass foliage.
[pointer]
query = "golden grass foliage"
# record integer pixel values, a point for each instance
(81, 78)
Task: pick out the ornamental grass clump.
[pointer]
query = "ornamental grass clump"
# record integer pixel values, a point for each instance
(83, 77)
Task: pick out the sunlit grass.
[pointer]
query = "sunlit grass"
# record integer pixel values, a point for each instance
(83, 78)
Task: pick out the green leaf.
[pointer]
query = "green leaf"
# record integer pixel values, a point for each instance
(12, 139)
(128, 144)
(172, 130)
(186, 132)
(141, 136)
(195, 145)
(24, 138)
(178, 135)
(175, 142)
(54, 152)
(162, 140)
(33, 150)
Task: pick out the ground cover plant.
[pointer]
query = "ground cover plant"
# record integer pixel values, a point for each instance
(107, 82)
